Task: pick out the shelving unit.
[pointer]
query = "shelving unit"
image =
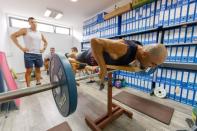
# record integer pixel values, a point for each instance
(183, 43)
(180, 44)
(181, 24)
(186, 66)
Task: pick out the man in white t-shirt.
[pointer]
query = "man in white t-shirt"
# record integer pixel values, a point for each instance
(33, 49)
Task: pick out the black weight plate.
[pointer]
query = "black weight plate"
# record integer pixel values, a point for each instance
(66, 94)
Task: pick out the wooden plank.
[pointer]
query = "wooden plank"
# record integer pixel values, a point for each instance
(139, 3)
(118, 11)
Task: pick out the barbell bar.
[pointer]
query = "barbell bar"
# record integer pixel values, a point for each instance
(27, 91)
(92, 75)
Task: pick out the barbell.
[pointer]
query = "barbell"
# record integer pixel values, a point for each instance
(62, 83)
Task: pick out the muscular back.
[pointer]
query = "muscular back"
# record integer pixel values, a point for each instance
(115, 49)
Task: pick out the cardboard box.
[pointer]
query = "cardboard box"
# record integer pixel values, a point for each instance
(118, 11)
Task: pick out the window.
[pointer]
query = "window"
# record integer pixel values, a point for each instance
(44, 27)
(62, 30)
(18, 23)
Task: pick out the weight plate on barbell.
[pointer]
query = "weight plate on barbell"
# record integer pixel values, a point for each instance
(66, 94)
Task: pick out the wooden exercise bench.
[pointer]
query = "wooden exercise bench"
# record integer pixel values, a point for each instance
(113, 111)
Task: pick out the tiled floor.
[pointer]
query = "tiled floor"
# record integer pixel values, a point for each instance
(38, 112)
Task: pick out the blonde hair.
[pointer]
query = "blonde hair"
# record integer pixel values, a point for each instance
(158, 50)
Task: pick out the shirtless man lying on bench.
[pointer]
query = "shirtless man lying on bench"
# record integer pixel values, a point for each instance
(120, 52)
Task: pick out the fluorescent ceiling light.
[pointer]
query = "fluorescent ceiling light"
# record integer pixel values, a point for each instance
(52, 13)
(74, 0)
(47, 13)
(58, 16)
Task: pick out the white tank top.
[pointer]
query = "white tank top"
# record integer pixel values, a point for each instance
(33, 41)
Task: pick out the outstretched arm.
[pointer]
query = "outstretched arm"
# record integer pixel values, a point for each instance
(115, 48)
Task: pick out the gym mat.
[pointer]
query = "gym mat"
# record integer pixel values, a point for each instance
(61, 127)
(153, 109)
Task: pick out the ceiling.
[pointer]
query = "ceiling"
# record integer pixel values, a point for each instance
(74, 12)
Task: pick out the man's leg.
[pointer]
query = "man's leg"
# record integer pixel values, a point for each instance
(71, 60)
(74, 67)
(28, 76)
(38, 75)
(92, 70)
(28, 59)
(46, 64)
(38, 65)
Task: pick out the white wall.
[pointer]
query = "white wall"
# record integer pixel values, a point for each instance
(77, 35)
(3, 31)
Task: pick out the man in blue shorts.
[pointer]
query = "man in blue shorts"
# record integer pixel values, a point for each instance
(33, 49)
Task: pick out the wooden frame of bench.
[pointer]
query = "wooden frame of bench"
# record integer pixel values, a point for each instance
(113, 111)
